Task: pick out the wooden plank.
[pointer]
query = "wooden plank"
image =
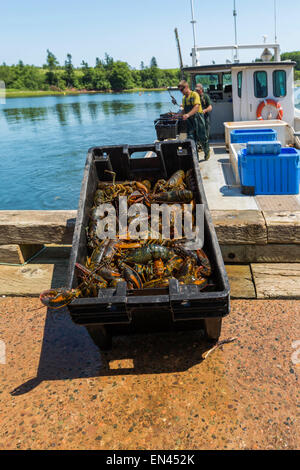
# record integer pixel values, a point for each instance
(32, 279)
(277, 280)
(270, 253)
(245, 227)
(241, 283)
(38, 227)
(283, 226)
(9, 254)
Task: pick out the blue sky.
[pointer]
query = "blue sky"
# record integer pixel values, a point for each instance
(136, 30)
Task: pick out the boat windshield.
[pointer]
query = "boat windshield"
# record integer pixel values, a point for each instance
(214, 81)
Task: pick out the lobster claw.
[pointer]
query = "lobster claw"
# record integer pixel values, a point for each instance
(131, 277)
(205, 263)
(58, 298)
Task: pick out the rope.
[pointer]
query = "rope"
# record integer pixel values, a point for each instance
(26, 262)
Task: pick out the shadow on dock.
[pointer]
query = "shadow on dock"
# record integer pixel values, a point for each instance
(68, 353)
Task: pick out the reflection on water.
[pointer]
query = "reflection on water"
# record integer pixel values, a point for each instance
(93, 110)
(44, 141)
(76, 108)
(31, 114)
(117, 107)
(158, 106)
(61, 111)
(65, 112)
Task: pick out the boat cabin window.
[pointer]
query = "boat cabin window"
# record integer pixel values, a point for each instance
(260, 84)
(239, 83)
(279, 83)
(227, 80)
(217, 85)
(210, 81)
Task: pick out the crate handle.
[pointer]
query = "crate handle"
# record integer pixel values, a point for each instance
(129, 150)
(160, 155)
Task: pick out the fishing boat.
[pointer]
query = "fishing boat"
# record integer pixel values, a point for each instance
(248, 91)
(246, 96)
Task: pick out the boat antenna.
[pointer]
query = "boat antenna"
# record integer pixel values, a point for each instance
(235, 32)
(194, 34)
(275, 21)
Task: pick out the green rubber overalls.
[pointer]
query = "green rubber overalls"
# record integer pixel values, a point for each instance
(196, 128)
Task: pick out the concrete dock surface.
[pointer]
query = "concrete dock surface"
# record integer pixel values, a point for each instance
(57, 391)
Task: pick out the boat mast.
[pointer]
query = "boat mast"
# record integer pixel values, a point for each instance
(235, 33)
(275, 21)
(179, 51)
(194, 57)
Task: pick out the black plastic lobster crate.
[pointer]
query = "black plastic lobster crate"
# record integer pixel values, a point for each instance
(167, 117)
(177, 307)
(166, 128)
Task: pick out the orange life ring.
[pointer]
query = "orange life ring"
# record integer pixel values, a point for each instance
(274, 103)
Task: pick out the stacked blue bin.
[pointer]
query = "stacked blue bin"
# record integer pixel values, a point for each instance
(242, 136)
(267, 168)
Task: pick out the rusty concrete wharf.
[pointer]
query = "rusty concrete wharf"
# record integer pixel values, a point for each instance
(161, 391)
(158, 391)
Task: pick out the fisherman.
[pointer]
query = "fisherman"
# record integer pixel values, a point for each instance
(206, 106)
(193, 114)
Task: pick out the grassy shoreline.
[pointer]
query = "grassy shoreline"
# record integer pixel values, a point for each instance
(37, 93)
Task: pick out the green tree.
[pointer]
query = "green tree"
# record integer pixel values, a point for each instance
(136, 77)
(120, 76)
(153, 62)
(108, 61)
(100, 80)
(87, 77)
(32, 78)
(99, 63)
(69, 75)
(294, 56)
(7, 75)
(52, 63)
(156, 75)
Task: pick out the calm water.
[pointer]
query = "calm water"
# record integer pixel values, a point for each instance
(44, 142)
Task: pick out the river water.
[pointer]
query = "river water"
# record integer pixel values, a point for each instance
(44, 141)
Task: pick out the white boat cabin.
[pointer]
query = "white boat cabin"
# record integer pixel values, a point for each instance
(239, 90)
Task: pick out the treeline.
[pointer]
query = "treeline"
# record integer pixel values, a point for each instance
(295, 57)
(106, 74)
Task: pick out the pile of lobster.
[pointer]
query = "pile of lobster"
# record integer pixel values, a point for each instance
(142, 264)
